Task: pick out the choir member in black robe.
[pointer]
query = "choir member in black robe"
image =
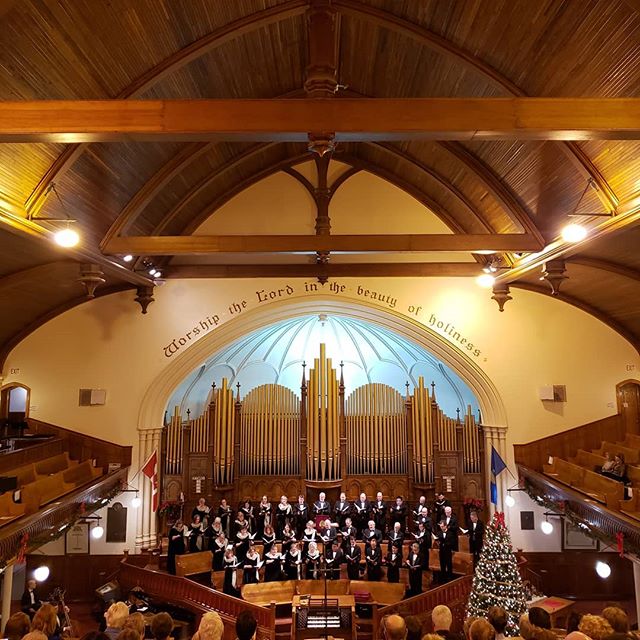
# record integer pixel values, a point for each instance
(283, 516)
(231, 564)
(196, 535)
(447, 543)
(176, 545)
(225, 513)
(327, 533)
(396, 537)
(438, 507)
(263, 516)
(398, 513)
(476, 536)
(394, 563)
(452, 525)
(414, 564)
(371, 532)
(248, 511)
(288, 538)
(321, 507)
(353, 557)
(348, 531)
(252, 565)
(239, 523)
(202, 510)
(341, 510)
(417, 512)
(293, 563)
(309, 534)
(243, 541)
(373, 558)
(268, 538)
(379, 512)
(312, 561)
(361, 509)
(423, 538)
(272, 565)
(333, 558)
(301, 515)
(218, 548)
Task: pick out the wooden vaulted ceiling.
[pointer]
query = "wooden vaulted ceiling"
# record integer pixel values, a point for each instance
(162, 50)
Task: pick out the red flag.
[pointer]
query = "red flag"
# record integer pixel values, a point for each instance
(150, 469)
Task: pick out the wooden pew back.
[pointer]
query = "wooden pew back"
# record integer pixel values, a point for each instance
(49, 466)
(44, 490)
(191, 564)
(631, 455)
(80, 474)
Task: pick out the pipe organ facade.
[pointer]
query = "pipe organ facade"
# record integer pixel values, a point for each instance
(274, 442)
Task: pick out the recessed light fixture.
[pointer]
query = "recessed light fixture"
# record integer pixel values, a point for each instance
(127, 258)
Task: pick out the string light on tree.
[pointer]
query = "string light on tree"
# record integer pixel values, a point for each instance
(497, 581)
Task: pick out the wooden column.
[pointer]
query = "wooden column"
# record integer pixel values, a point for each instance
(322, 24)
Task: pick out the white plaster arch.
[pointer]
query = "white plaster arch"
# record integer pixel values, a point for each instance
(157, 395)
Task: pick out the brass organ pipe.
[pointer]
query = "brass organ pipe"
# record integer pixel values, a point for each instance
(323, 413)
(329, 423)
(336, 427)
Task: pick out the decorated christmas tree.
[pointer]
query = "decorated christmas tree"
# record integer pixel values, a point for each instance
(497, 581)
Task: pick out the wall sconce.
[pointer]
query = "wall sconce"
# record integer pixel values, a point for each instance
(510, 500)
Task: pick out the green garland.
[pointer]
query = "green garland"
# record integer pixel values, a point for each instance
(81, 509)
(564, 509)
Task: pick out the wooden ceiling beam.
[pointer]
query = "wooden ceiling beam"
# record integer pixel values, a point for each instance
(197, 245)
(388, 270)
(605, 265)
(365, 119)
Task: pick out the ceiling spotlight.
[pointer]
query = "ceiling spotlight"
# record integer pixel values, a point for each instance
(485, 280)
(546, 527)
(157, 274)
(127, 258)
(66, 238)
(152, 271)
(603, 569)
(41, 573)
(510, 501)
(97, 532)
(574, 233)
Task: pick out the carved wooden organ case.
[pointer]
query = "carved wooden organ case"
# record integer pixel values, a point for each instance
(273, 442)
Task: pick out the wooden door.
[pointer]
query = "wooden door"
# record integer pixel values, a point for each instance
(629, 405)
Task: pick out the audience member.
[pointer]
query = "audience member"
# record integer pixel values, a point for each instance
(94, 635)
(596, 627)
(211, 627)
(538, 617)
(414, 627)
(442, 620)
(481, 629)
(35, 635)
(573, 621)
(525, 627)
(467, 625)
(498, 619)
(617, 618)
(431, 636)
(161, 626)
(576, 635)
(17, 626)
(394, 627)
(115, 616)
(128, 634)
(46, 620)
(246, 626)
(136, 622)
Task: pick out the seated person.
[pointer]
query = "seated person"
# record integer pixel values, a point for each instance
(619, 469)
(608, 463)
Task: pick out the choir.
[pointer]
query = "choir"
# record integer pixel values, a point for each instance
(316, 540)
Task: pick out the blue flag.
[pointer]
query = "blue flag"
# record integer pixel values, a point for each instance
(494, 494)
(498, 465)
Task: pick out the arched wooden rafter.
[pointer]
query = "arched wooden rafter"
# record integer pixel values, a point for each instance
(296, 7)
(169, 65)
(443, 46)
(605, 265)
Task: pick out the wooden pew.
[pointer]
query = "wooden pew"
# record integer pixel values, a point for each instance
(382, 593)
(264, 593)
(631, 507)
(191, 564)
(80, 474)
(632, 440)
(49, 466)
(631, 455)
(593, 461)
(462, 562)
(316, 587)
(9, 510)
(24, 474)
(38, 493)
(597, 486)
